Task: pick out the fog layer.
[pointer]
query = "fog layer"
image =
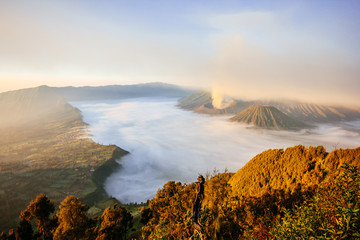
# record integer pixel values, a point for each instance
(167, 143)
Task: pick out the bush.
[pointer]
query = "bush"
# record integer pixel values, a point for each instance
(333, 213)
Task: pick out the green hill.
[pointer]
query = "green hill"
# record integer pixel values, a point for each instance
(267, 117)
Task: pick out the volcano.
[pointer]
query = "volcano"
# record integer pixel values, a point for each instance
(267, 117)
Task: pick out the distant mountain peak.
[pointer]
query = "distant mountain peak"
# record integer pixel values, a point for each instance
(201, 102)
(269, 117)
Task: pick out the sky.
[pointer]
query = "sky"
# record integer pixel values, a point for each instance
(303, 50)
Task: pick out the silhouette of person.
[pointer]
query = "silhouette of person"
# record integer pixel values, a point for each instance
(198, 200)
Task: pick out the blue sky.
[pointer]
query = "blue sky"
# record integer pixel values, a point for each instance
(246, 49)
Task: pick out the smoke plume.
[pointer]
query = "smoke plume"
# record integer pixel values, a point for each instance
(219, 100)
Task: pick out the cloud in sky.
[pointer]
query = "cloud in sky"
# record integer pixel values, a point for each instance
(167, 143)
(306, 49)
(261, 55)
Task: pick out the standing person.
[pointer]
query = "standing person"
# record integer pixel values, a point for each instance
(198, 200)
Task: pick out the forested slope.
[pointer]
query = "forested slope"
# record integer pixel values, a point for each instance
(305, 193)
(285, 169)
(298, 184)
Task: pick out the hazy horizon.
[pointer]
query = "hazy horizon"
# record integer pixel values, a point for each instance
(167, 143)
(303, 50)
(220, 98)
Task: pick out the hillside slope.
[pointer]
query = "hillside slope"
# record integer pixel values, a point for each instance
(285, 169)
(40, 104)
(201, 102)
(267, 117)
(44, 148)
(310, 112)
(195, 100)
(251, 203)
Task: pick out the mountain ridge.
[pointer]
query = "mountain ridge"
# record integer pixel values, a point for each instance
(39, 103)
(308, 113)
(110, 92)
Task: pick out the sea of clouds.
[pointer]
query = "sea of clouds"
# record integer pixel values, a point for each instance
(167, 143)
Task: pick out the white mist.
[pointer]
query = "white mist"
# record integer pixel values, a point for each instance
(167, 143)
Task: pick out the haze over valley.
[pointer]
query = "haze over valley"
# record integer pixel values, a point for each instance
(116, 107)
(126, 143)
(168, 143)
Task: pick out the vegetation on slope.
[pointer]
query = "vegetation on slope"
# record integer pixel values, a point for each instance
(45, 148)
(48, 153)
(296, 210)
(168, 215)
(333, 213)
(71, 221)
(267, 117)
(237, 208)
(286, 169)
(52, 156)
